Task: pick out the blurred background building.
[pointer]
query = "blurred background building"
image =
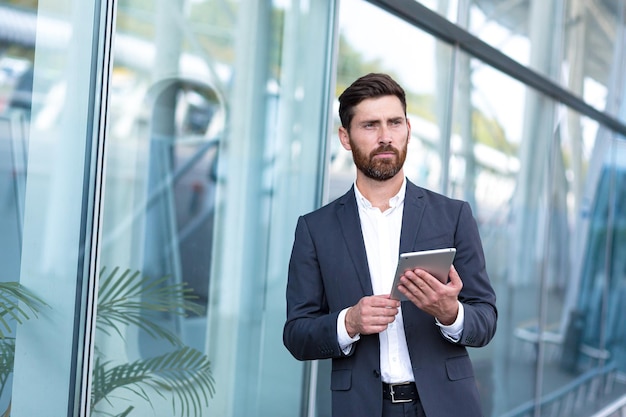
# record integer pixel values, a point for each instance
(150, 148)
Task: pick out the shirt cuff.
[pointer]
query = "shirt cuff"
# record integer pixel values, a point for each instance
(345, 341)
(454, 330)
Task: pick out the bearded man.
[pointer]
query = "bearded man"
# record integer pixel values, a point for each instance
(389, 358)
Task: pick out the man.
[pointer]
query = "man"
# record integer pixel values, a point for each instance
(389, 358)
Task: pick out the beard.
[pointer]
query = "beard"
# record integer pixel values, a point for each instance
(379, 169)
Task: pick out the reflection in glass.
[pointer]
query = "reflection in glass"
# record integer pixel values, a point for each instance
(215, 111)
(169, 289)
(599, 304)
(156, 255)
(214, 148)
(125, 300)
(572, 42)
(174, 209)
(18, 304)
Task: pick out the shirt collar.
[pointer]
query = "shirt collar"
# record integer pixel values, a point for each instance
(394, 201)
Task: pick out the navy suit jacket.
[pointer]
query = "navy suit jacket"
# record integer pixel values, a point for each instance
(328, 272)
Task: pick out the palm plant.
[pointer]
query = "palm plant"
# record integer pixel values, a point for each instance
(17, 304)
(124, 300)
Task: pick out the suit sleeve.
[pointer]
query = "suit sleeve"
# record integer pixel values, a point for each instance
(310, 331)
(477, 295)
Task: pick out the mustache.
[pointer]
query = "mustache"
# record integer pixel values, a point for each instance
(385, 149)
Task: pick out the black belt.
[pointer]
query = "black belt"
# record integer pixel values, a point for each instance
(403, 392)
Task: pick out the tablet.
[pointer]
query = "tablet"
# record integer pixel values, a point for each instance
(436, 262)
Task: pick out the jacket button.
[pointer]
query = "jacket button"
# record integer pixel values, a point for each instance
(376, 373)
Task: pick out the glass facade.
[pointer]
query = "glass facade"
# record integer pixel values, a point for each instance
(155, 156)
(574, 43)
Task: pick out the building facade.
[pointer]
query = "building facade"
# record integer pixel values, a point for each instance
(156, 154)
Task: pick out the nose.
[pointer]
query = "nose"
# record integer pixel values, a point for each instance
(385, 135)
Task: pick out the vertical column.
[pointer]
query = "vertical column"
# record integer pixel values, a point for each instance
(59, 206)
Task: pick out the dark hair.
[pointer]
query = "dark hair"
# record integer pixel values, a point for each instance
(368, 86)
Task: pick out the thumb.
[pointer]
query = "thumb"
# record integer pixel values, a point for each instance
(455, 279)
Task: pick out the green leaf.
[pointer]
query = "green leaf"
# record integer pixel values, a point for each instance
(17, 304)
(184, 372)
(128, 299)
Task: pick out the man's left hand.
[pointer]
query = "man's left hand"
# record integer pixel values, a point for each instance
(431, 295)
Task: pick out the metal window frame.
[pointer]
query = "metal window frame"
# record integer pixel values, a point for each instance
(424, 18)
(85, 324)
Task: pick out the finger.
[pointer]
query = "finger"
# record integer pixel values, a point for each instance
(376, 323)
(414, 288)
(387, 311)
(412, 292)
(430, 280)
(455, 279)
(418, 280)
(383, 300)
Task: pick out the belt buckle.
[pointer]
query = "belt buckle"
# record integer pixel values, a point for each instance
(393, 398)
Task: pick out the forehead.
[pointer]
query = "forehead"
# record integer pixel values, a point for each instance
(376, 108)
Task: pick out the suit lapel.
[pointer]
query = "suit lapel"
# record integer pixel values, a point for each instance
(412, 217)
(350, 224)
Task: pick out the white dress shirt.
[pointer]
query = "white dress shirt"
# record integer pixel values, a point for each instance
(381, 234)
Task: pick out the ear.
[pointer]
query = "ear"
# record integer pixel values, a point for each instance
(408, 125)
(344, 138)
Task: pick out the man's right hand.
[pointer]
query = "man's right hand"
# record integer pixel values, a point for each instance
(371, 315)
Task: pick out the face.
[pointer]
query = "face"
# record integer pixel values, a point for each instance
(378, 137)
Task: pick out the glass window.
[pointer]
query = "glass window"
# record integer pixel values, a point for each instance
(599, 298)
(219, 137)
(575, 43)
(49, 142)
(215, 146)
(16, 78)
(572, 42)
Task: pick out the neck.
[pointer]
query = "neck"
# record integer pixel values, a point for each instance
(378, 193)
